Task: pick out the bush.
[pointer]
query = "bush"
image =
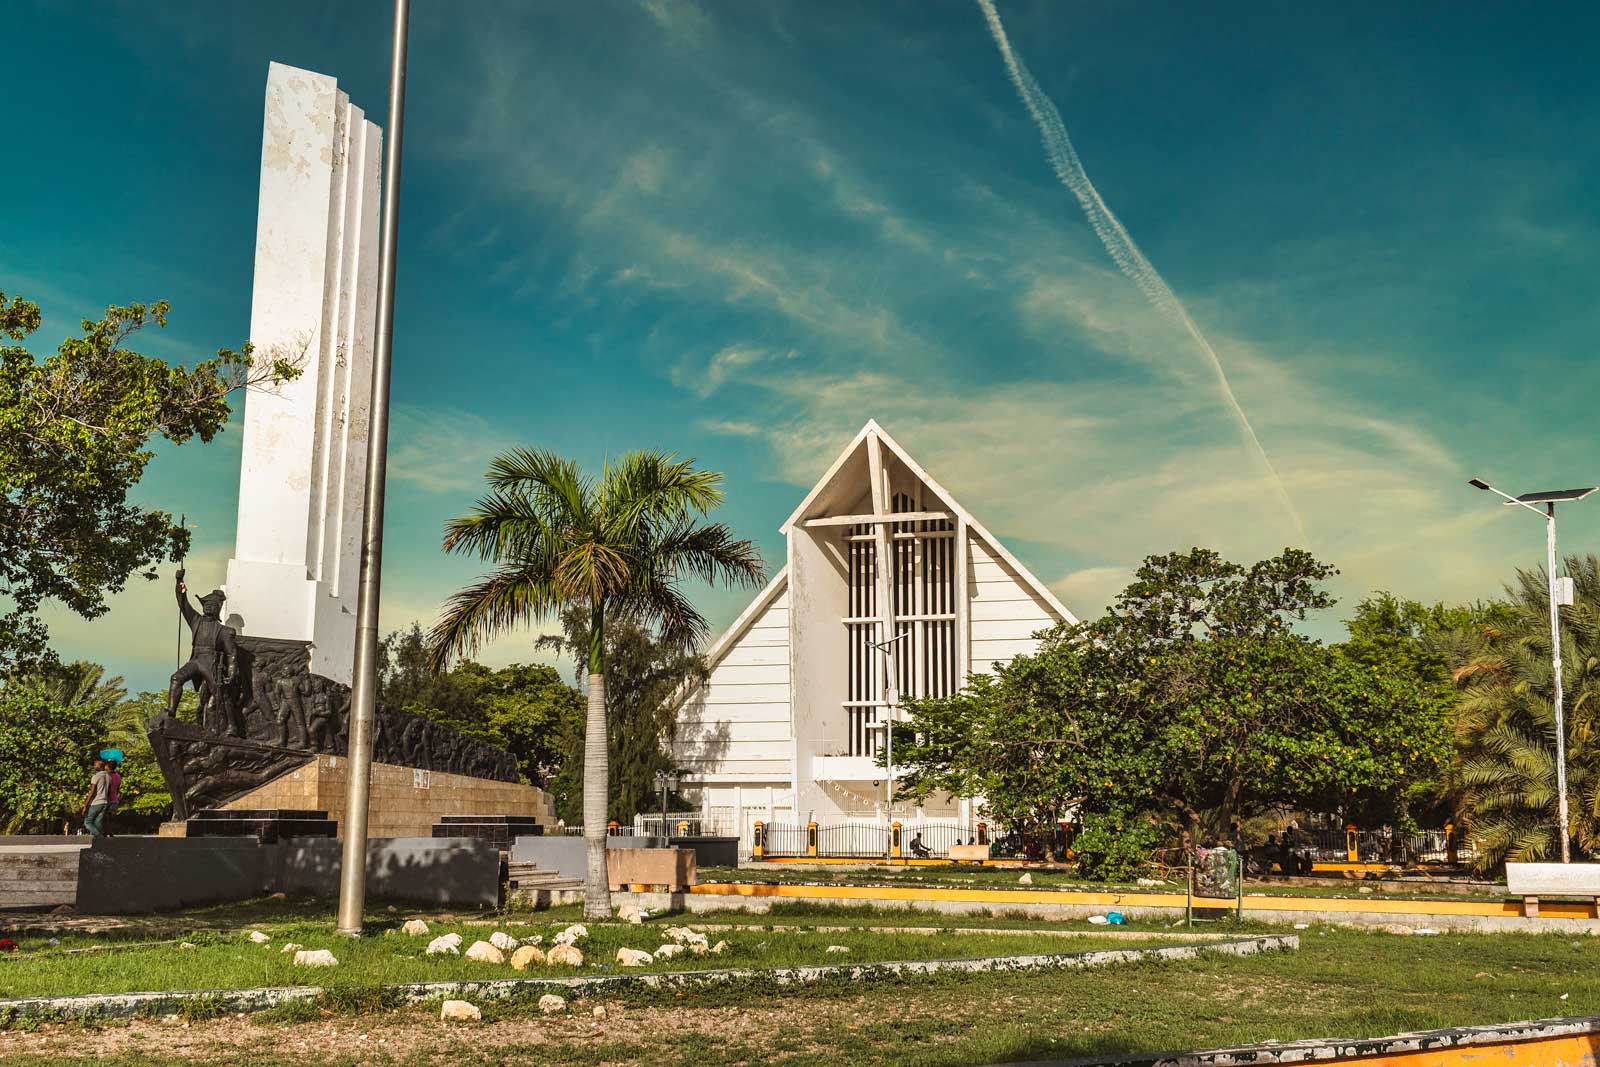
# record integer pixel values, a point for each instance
(44, 759)
(1115, 846)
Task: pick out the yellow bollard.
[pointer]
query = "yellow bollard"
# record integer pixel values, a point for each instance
(759, 845)
(1352, 845)
(983, 833)
(894, 840)
(683, 828)
(811, 838)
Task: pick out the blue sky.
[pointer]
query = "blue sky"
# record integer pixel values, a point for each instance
(739, 230)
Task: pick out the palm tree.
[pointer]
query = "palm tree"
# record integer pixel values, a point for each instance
(619, 546)
(1505, 721)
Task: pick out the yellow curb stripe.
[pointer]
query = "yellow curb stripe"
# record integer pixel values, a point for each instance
(1491, 908)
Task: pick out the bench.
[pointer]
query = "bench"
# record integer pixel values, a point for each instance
(969, 853)
(1530, 881)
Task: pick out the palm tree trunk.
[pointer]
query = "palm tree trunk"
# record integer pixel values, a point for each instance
(596, 779)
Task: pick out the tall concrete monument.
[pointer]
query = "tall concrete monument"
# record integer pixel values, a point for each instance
(301, 480)
(274, 650)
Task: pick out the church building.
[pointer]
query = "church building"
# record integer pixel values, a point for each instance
(788, 725)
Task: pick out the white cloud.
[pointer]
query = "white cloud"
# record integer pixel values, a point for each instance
(442, 449)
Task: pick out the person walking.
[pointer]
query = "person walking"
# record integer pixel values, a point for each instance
(98, 799)
(114, 771)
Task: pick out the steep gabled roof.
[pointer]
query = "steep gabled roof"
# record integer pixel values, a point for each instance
(855, 452)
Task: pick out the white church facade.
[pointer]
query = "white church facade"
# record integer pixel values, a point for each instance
(787, 727)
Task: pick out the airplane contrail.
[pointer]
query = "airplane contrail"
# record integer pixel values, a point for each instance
(1123, 250)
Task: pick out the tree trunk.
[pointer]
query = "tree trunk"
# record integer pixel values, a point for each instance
(596, 779)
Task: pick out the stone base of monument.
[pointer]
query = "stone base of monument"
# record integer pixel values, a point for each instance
(269, 825)
(405, 802)
(497, 830)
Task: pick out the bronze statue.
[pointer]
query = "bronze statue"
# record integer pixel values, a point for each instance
(212, 657)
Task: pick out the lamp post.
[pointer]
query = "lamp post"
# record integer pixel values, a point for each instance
(364, 688)
(1560, 592)
(666, 780)
(891, 701)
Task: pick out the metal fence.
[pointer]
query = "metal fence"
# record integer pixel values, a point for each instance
(852, 840)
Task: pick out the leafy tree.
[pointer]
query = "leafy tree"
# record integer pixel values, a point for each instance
(619, 546)
(75, 434)
(45, 750)
(1191, 699)
(523, 709)
(642, 674)
(1505, 721)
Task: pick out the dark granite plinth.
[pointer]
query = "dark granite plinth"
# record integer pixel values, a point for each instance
(266, 824)
(498, 830)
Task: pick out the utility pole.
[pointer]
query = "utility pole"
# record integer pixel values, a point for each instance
(363, 698)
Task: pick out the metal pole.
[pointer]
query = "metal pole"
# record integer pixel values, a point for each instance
(363, 700)
(1555, 664)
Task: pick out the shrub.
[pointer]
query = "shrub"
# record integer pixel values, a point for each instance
(1115, 846)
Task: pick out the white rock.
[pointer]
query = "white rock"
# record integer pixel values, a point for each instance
(391, 909)
(536, 939)
(526, 957)
(1302, 926)
(291, 947)
(277, 896)
(632, 957)
(444, 946)
(719, 948)
(483, 952)
(564, 956)
(1026, 879)
(666, 952)
(415, 928)
(315, 957)
(600, 1010)
(572, 934)
(837, 950)
(551, 1004)
(630, 913)
(503, 941)
(684, 936)
(699, 948)
(185, 944)
(459, 1011)
(259, 938)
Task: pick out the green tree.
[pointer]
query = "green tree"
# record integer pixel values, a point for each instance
(45, 749)
(643, 672)
(1505, 721)
(620, 546)
(524, 709)
(75, 435)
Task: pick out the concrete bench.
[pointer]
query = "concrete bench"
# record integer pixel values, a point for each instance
(969, 853)
(1530, 881)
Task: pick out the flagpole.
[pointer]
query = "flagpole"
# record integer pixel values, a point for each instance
(363, 698)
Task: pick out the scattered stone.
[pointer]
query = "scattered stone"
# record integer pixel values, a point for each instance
(1148, 881)
(315, 957)
(291, 946)
(414, 928)
(391, 909)
(835, 950)
(1483, 974)
(459, 1011)
(1302, 926)
(526, 957)
(63, 909)
(564, 956)
(186, 944)
(572, 934)
(277, 896)
(258, 937)
(503, 941)
(483, 952)
(536, 939)
(719, 948)
(444, 945)
(1564, 996)
(1364, 889)
(1395, 928)
(632, 957)
(684, 936)
(630, 913)
(1425, 931)
(666, 952)
(699, 948)
(551, 1004)
(600, 1010)
(1026, 879)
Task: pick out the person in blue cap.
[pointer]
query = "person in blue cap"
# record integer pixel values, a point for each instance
(98, 800)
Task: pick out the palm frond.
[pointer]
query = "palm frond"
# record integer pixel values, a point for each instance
(508, 598)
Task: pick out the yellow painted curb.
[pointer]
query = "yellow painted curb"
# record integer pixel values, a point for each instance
(1374, 905)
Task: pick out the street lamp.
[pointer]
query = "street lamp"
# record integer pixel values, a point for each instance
(1560, 592)
(666, 780)
(891, 700)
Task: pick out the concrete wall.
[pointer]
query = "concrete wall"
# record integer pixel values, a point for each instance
(405, 802)
(138, 875)
(739, 722)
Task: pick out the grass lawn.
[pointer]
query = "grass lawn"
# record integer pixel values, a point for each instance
(232, 961)
(965, 877)
(1341, 982)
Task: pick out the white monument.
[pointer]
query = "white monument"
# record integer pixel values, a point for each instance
(303, 472)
